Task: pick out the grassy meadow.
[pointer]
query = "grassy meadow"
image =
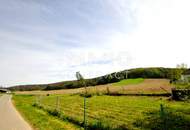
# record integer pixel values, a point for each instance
(105, 112)
(39, 119)
(63, 109)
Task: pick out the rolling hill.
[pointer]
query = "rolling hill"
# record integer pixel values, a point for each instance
(153, 73)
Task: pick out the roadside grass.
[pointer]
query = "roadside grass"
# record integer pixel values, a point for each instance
(39, 119)
(129, 82)
(106, 112)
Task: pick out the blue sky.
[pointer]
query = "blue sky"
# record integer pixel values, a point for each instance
(45, 41)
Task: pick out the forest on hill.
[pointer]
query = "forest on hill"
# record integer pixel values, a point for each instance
(156, 72)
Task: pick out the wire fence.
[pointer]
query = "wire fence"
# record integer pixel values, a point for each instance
(102, 113)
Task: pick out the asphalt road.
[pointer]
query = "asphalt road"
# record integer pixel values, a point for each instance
(10, 119)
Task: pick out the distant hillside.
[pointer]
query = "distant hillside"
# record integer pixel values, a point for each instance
(158, 72)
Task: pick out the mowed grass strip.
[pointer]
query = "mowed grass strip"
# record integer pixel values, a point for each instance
(129, 82)
(39, 119)
(122, 111)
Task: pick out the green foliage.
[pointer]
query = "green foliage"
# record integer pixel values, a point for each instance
(149, 73)
(175, 74)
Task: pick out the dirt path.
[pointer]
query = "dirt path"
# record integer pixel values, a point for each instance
(10, 119)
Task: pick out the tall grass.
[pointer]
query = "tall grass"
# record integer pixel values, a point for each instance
(107, 112)
(38, 118)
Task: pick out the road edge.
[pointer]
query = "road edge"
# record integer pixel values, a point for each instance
(21, 114)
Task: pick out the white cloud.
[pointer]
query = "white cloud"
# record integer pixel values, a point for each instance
(161, 36)
(95, 39)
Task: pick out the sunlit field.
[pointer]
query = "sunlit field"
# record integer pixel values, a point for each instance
(114, 112)
(134, 86)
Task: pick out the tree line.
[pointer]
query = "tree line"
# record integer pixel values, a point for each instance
(166, 73)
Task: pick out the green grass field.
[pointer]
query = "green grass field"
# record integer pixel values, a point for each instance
(39, 119)
(129, 82)
(115, 112)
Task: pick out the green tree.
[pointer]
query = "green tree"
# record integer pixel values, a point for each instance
(175, 74)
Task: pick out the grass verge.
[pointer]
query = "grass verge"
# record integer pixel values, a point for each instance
(39, 119)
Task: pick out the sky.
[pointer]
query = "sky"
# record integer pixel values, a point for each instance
(46, 41)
